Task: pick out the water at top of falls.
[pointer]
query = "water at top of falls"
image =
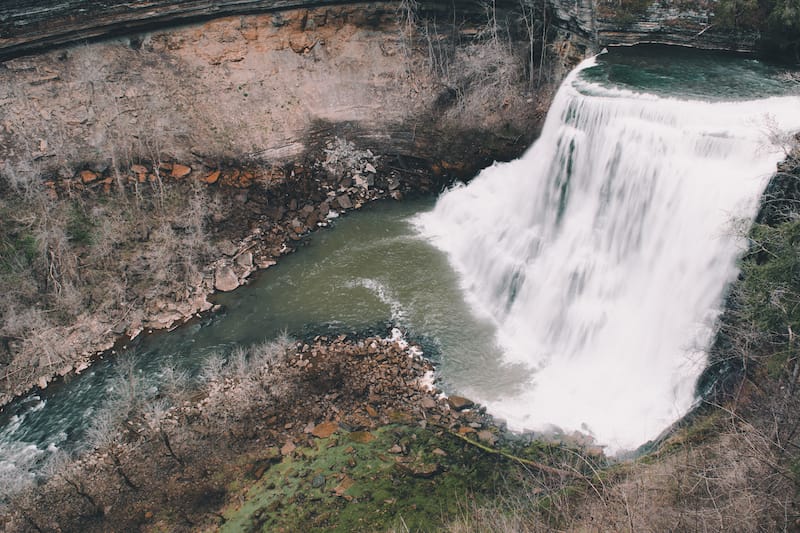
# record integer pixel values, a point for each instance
(602, 255)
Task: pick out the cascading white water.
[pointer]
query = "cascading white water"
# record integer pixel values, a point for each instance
(602, 255)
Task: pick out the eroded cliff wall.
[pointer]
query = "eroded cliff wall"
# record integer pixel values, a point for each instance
(692, 23)
(121, 156)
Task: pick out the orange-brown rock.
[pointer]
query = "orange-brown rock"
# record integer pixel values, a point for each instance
(288, 448)
(180, 171)
(325, 430)
(87, 176)
(230, 178)
(458, 403)
(302, 43)
(344, 484)
(213, 177)
(246, 179)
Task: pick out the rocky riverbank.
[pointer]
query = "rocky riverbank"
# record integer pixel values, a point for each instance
(267, 213)
(332, 432)
(141, 174)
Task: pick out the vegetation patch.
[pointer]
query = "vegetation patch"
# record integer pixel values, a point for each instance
(777, 21)
(406, 477)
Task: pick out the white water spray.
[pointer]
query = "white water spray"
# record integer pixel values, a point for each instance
(602, 255)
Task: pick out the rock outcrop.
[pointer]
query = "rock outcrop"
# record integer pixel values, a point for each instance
(34, 25)
(600, 23)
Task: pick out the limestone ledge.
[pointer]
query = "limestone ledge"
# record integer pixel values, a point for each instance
(673, 22)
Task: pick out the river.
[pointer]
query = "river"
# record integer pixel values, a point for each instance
(574, 289)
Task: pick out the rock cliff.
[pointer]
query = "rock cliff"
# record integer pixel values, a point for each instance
(28, 26)
(132, 151)
(625, 22)
(33, 25)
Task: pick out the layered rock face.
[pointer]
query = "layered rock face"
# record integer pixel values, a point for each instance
(625, 22)
(28, 26)
(31, 25)
(269, 88)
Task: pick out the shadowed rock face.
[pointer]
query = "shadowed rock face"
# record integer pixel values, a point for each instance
(627, 22)
(28, 26)
(31, 25)
(271, 87)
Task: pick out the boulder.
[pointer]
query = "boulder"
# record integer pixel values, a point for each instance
(487, 436)
(302, 43)
(325, 430)
(343, 485)
(344, 201)
(458, 403)
(288, 448)
(425, 470)
(213, 177)
(179, 171)
(245, 260)
(227, 248)
(427, 402)
(87, 176)
(225, 279)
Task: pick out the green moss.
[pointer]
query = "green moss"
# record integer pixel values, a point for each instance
(341, 485)
(79, 225)
(18, 250)
(769, 294)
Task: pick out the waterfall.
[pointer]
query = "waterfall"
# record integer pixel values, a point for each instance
(603, 254)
